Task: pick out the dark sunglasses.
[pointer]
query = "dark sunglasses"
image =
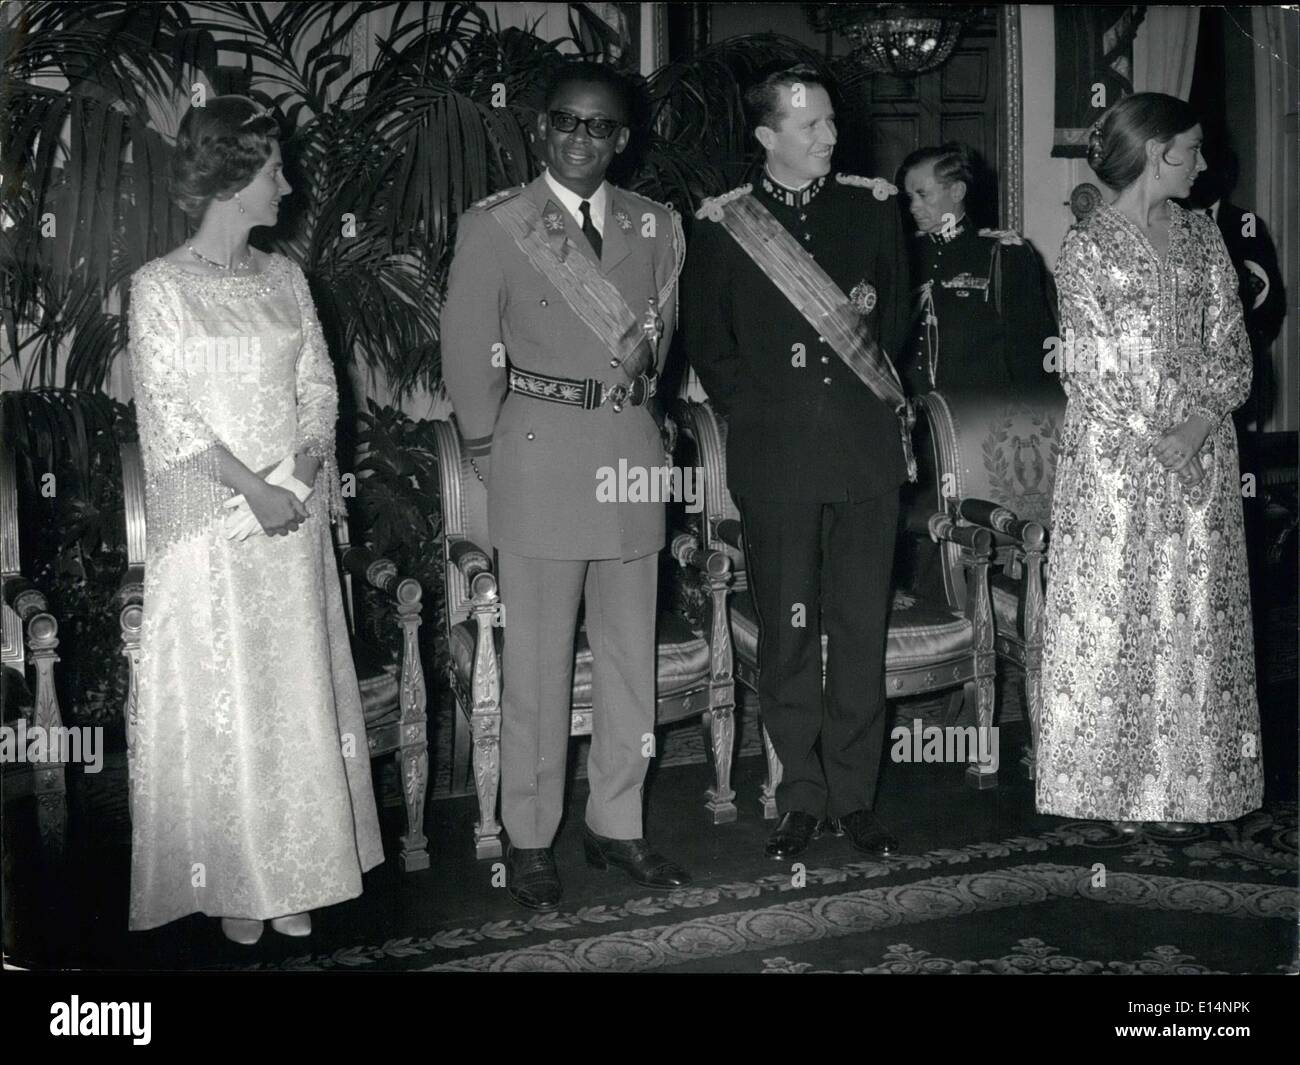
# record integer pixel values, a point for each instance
(597, 128)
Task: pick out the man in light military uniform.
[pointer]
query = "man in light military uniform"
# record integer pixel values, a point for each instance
(983, 310)
(796, 298)
(559, 314)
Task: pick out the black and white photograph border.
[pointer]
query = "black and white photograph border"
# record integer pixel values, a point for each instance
(658, 487)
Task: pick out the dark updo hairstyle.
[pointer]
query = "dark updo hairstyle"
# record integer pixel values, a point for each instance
(1117, 144)
(219, 148)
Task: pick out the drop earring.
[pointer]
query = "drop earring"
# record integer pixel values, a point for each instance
(1157, 175)
(242, 211)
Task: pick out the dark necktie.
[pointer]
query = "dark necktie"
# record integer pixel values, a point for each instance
(589, 228)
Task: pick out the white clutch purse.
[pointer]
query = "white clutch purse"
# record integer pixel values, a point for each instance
(241, 522)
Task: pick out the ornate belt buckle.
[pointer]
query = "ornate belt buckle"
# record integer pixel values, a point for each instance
(617, 397)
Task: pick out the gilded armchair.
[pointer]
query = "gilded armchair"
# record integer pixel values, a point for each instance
(931, 646)
(31, 638)
(694, 673)
(994, 460)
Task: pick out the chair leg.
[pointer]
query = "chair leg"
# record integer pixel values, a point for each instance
(1027, 756)
(51, 809)
(956, 704)
(50, 781)
(413, 764)
(774, 771)
(981, 775)
(460, 748)
(487, 782)
(722, 730)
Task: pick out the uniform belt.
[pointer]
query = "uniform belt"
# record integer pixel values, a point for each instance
(588, 393)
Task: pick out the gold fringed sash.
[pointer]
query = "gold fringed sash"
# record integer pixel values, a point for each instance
(816, 296)
(590, 295)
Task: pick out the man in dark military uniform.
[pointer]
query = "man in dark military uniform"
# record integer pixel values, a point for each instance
(983, 312)
(814, 456)
(550, 367)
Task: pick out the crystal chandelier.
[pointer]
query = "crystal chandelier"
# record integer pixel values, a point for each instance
(899, 39)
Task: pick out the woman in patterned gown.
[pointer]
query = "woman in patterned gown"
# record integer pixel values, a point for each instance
(1149, 710)
(251, 795)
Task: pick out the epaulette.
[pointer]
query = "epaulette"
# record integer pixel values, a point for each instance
(640, 196)
(1003, 236)
(880, 188)
(712, 207)
(496, 198)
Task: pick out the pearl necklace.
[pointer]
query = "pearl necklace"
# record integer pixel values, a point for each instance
(228, 268)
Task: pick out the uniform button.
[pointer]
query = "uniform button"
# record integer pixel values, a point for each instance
(821, 340)
(826, 358)
(542, 302)
(613, 362)
(826, 380)
(530, 435)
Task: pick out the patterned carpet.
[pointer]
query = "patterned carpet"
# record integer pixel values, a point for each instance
(1224, 900)
(983, 884)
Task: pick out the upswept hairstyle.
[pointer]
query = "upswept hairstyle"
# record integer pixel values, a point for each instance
(952, 162)
(219, 147)
(763, 98)
(1117, 144)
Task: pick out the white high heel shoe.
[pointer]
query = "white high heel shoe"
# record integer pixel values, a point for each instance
(293, 924)
(241, 931)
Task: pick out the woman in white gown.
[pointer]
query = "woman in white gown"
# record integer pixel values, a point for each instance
(251, 792)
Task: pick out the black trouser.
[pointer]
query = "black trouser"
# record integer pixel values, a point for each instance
(834, 560)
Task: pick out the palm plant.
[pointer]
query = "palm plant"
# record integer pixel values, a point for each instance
(82, 203)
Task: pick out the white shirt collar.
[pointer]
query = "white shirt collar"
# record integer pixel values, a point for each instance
(571, 202)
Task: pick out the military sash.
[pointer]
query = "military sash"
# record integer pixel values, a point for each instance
(816, 296)
(591, 296)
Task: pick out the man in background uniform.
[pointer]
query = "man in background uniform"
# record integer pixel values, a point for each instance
(814, 454)
(983, 310)
(559, 313)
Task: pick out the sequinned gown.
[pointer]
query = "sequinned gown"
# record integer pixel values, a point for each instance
(251, 793)
(1149, 707)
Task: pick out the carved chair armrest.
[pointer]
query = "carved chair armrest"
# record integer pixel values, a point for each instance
(25, 599)
(1000, 520)
(1026, 553)
(687, 551)
(487, 611)
(475, 565)
(730, 532)
(381, 574)
(42, 632)
(976, 553)
(715, 566)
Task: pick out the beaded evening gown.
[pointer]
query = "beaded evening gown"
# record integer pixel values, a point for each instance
(1149, 709)
(251, 792)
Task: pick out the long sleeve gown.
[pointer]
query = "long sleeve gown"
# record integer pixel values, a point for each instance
(1149, 708)
(251, 792)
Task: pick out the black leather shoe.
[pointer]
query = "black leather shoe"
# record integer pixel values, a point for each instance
(793, 833)
(635, 858)
(531, 877)
(867, 834)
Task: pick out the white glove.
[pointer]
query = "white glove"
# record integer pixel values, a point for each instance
(242, 523)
